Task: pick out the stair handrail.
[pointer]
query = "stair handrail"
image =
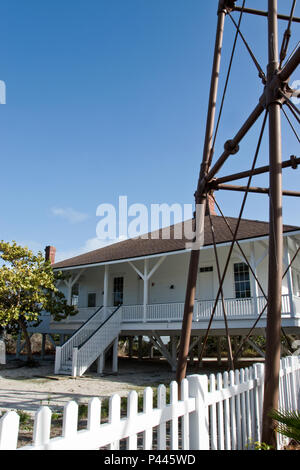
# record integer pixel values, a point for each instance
(83, 325)
(100, 326)
(64, 352)
(80, 365)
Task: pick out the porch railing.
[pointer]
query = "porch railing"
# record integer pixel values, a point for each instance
(235, 309)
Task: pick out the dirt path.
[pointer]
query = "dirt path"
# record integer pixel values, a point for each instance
(25, 388)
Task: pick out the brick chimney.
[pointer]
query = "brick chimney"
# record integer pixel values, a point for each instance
(211, 203)
(50, 254)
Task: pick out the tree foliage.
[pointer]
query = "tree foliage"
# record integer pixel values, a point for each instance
(28, 286)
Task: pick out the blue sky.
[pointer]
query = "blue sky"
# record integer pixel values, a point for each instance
(108, 98)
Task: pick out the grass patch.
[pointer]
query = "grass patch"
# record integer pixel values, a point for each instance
(26, 421)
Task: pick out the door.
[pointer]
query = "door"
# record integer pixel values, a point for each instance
(118, 291)
(206, 283)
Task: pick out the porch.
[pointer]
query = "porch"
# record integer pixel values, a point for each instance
(241, 314)
(98, 329)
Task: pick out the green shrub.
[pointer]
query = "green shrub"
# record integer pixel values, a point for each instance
(287, 423)
(25, 420)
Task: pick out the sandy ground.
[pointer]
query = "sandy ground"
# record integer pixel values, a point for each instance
(24, 388)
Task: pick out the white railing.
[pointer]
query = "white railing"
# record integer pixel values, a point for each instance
(218, 412)
(95, 345)
(64, 353)
(235, 309)
(285, 305)
(165, 312)
(132, 312)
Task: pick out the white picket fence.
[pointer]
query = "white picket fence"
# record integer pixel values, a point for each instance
(221, 411)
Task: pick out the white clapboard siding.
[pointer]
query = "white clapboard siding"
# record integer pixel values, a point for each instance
(220, 412)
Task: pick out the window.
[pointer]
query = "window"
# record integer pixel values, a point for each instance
(206, 269)
(75, 294)
(241, 280)
(92, 300)
(118, 290)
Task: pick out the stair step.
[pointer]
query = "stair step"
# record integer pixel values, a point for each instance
(67, 367)
(64, 372)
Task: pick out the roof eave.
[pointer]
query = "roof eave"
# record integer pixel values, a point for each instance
(176, 252)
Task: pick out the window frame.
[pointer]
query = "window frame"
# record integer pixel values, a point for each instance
(241, 281)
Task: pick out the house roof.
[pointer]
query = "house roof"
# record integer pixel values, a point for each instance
(156, 243)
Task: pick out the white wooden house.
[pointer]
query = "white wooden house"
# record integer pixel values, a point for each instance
(137, 288)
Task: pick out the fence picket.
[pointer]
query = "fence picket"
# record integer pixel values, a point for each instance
(220, 414)
(114, 416)
(233, 413)
(282, 382)
(282, 404)
(248, 416)
(293, 384)
(42, 426)
(226, 414)
(260, 374)
(161, 432)
(252, 410)
(256, 411)
(185, 431)
(243, 412)
(213, 415)
(203, 407)
(9, 428)
(288, 384)
(132, 410)
(70, 420)
(238, 412)
(94, 414)
(174, 421)
(147, 409)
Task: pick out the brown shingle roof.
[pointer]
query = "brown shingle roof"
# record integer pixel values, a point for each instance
(139, 247)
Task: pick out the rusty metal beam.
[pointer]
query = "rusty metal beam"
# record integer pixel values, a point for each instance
(290, 66)
(292, 162)
(273, 327)
(230, 187)
(252, 11)
(200, 198)
(231, 146)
